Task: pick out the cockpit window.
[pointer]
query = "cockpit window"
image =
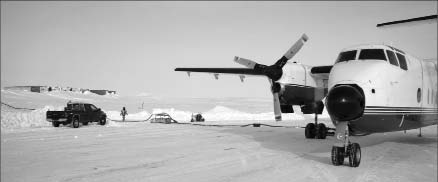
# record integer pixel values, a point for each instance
(392, 58)
(372, 54)
(402, 60)
(396, 49)
(346, 56)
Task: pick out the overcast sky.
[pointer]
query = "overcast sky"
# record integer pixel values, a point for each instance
(133, 47)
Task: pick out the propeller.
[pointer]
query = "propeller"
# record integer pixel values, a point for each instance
(275, 71)
(245, 62)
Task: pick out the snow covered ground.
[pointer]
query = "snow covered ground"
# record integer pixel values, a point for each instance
(32, 150)
(160, 152)
(215, 111)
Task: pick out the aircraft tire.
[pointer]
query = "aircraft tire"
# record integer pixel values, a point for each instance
(337, 155)
(354, 155)
(310, 130)
(321, 131)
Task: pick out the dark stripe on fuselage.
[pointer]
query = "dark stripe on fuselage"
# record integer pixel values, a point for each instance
(400, 113)
(375, 109)
(376, 122)
(401, 108)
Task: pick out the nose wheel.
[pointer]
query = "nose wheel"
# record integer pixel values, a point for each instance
(340, 151)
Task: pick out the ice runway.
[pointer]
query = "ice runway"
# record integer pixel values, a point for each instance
(160, 152)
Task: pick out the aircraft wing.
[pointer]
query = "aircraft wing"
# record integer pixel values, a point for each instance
(423, 19)
(238, 71)
(241, 72)
(321, 72)
(321, 69)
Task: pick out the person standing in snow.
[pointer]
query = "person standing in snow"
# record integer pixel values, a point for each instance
(123, 113)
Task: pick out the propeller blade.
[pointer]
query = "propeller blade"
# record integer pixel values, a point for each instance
(245, 62)
(277, 109)
(292, 51)
(275, 89)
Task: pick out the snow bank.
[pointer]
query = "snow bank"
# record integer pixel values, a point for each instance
(227, 114)
(15, 118)
(115, 115)
(12, 119)
(218, 113)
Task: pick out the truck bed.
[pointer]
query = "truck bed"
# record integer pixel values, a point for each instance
(56, 116)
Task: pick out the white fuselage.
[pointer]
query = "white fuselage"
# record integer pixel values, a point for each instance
(396, 98)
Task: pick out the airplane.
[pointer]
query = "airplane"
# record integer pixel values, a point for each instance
(371, 88)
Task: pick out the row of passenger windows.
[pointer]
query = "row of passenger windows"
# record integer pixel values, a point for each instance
(395, 59)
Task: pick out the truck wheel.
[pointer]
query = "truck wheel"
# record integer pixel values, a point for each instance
(75, 123)
(55, 124)
(102, 121)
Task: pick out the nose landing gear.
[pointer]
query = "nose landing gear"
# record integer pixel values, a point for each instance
(345, 149)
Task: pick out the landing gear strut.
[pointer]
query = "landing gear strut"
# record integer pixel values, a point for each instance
(346, 148)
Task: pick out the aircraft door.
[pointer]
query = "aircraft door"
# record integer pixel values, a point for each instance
(406, 84)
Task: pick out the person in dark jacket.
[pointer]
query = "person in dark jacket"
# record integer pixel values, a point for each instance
(123, 113)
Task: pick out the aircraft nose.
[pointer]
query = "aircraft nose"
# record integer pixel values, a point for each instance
(345, 103)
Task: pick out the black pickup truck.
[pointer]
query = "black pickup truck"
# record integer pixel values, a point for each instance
(75, 113)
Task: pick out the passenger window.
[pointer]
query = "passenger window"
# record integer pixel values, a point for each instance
(93, 107)
(392, 58)
(87, 107)
(346, 56)
(372, 54)
(76, 107)
(81, 107)
(402, 60)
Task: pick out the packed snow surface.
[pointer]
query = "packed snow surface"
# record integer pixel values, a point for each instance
(141, 151)
(33, 150)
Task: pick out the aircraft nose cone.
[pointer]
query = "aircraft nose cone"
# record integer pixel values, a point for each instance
(345, 103)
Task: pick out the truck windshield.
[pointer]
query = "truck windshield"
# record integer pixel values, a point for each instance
(346, 56)
(372, 54)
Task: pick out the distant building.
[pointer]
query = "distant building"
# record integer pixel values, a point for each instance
(28, 88)
(103, 92)
(40, 89)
